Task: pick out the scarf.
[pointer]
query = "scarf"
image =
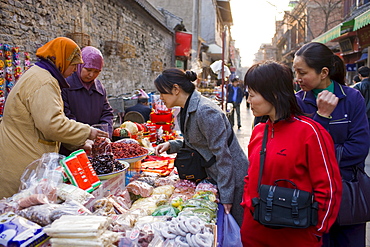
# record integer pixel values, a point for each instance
(62, 52)
(50, 66)
(93, 59)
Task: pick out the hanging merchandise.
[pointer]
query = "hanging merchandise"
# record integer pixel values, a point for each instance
(27, 61)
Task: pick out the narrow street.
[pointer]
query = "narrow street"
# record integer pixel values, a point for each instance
(244, 133)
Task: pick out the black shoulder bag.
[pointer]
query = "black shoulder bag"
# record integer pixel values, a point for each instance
(279, 207)
(191, 165)
(355, 204)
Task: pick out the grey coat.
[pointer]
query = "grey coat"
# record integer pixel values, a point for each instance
(207, 130)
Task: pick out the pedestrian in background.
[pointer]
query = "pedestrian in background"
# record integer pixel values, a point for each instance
(206, 129)
(364, 87)
(85, 100)
(34, 122)
(298, 149)
(235, 96)
(355, 80)
(142, 107)
(341, 111)
(246, 93)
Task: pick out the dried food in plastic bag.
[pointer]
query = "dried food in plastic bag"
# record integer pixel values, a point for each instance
(69, 208)
(39, 214)
(122, 196)
(103, 207)
(207, 195)
(201, 203)
(140, 188)
(205, 185)
(165, 189)
(8, 206)
(35, 199)
(101, 146)
(42, 176)
(164, 181)
(181, 183)
(166, 210)
(71, 192)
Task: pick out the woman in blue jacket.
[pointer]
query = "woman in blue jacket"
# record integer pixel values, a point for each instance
(341, 111)
(86, 98)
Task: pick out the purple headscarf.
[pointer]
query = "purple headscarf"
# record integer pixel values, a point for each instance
(93, 59)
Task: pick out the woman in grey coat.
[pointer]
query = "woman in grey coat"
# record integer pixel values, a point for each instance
(206, 129)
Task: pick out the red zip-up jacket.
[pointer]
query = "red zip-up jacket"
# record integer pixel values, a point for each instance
(302, 151)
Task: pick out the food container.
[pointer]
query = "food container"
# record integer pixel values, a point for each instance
(116, 173)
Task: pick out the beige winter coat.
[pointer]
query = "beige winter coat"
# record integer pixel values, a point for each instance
(33, 124)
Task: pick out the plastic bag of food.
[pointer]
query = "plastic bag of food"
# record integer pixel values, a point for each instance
(127, 141)
(35, 199)
(200, 203)
(69, 208)
(101, 146)
(122, 196)
(71, 192)
(165, 189)
(39, 214)
(207, 195)
(166, 210)
(41, 177)
(205, 185)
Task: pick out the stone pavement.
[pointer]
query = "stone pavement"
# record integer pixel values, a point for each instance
(244, 133)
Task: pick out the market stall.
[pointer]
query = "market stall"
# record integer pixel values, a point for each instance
(118, 195)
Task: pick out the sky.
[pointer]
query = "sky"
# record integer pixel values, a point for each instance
(254, 24)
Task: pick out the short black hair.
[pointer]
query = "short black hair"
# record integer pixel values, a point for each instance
(274, 81)
(356, 78)
(235, 79)
(142, 100)
(364, 71)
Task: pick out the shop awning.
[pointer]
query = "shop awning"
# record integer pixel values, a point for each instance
(329, 35)
(362, 20)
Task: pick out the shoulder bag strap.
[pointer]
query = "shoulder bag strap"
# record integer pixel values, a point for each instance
(262, 155)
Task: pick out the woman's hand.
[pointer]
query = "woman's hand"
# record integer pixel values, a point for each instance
(227, 207)
(161, 148)
(95, 133)
(88, 145)
(326, 103)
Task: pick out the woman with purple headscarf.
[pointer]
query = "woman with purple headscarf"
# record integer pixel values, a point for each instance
(86, 99)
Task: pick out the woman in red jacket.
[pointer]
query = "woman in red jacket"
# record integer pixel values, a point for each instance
(298, 149)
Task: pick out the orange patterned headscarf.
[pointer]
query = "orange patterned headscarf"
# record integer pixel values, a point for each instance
(62, 52)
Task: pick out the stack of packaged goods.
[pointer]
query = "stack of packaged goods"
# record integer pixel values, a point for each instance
(75, 230)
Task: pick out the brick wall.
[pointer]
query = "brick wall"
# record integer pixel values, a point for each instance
(135, 44)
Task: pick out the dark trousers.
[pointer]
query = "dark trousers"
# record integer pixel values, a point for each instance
(345, 236)
(236, 108)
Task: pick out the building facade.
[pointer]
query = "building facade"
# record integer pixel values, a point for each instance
(133, 36)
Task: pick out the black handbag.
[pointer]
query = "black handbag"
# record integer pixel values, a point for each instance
(191, 165)
(279, 207)
(355, 203)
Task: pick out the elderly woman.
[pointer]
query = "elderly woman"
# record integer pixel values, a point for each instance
(34, 122)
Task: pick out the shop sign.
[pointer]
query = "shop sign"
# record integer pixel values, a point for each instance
(346, 45)
(351, 67)
(364, 36)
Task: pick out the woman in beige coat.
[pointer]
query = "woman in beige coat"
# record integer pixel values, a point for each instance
(34, 122)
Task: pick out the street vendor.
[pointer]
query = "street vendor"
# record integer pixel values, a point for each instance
(86, 98)
(34, 122)
(206, 129)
